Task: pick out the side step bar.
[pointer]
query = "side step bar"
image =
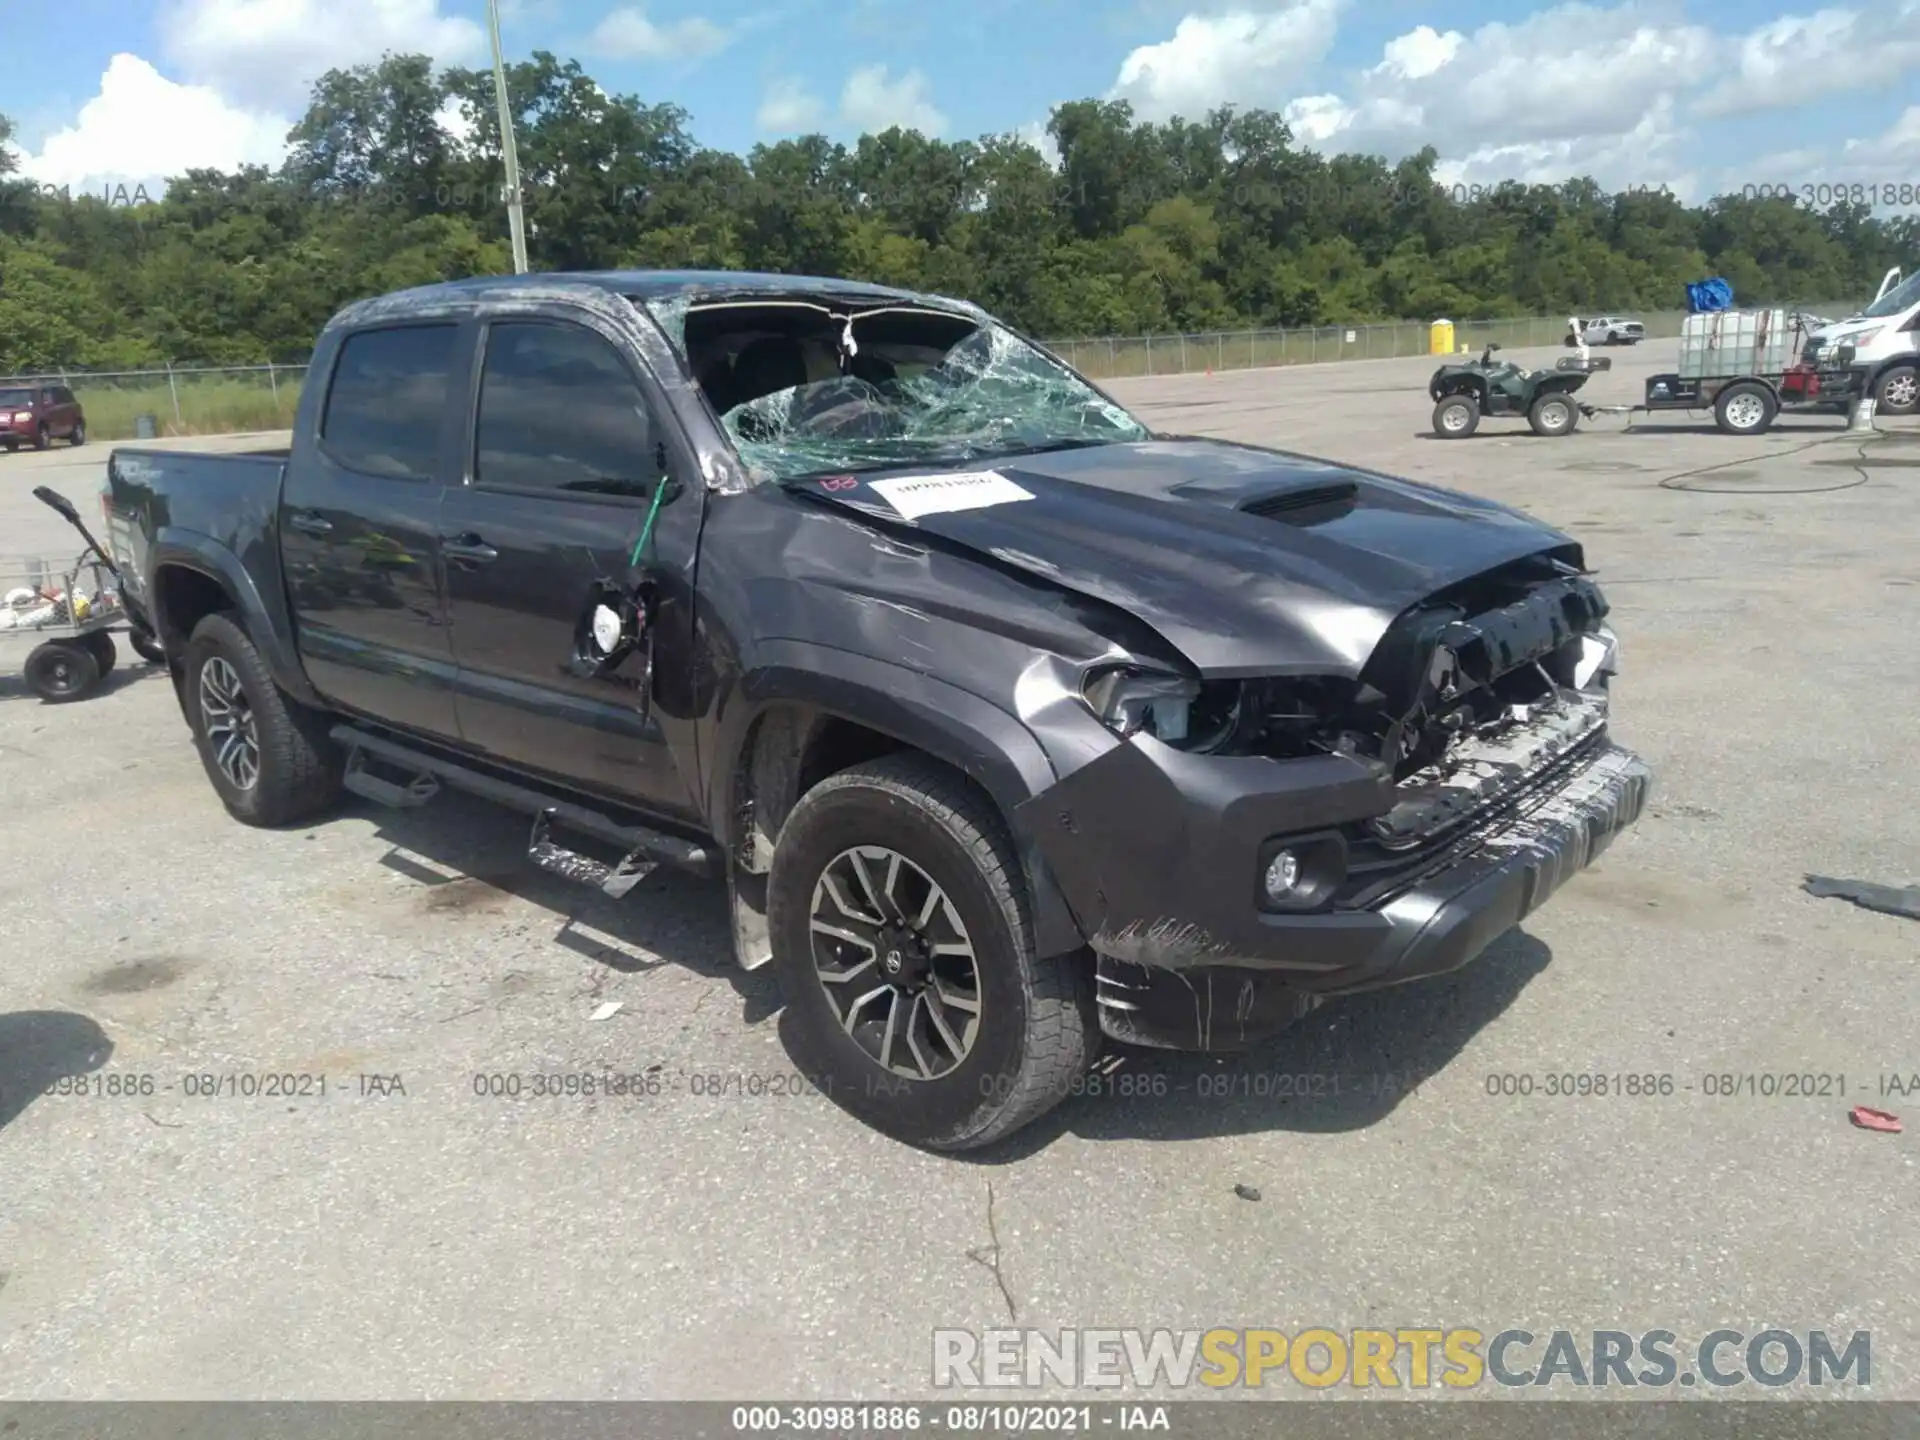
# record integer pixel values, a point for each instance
(641, 848)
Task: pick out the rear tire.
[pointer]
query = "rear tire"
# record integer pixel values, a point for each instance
(78, 435)
(1553, 415)
(1745, 409)
(104, 653)
(269, 757)
(1456, 417)
(147, 647)
(62, 670)
(958, 1077)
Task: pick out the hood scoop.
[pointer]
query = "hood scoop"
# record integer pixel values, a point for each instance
(1309, 505)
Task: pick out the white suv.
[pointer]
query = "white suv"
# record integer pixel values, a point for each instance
(1606, 330)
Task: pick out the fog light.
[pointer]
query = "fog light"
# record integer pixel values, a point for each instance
(1283, 877)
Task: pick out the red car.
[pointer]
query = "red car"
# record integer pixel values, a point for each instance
(38, 415)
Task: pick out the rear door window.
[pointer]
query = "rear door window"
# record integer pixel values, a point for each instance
(387, 400)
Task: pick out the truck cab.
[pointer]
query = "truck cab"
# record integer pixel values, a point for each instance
(1885, 340)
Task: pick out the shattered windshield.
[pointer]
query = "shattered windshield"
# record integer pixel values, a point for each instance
(806, 388)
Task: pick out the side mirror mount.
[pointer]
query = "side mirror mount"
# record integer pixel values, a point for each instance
(614, 626)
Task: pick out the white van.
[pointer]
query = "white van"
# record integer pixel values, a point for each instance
(1886, 344)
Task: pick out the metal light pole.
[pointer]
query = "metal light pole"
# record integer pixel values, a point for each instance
(516, 222)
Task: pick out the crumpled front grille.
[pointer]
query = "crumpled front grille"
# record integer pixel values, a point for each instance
(1448, 808)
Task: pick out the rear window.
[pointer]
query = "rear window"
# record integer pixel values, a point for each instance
(387, 400)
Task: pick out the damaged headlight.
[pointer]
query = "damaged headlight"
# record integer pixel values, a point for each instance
(1599, 655)
(1129, 701)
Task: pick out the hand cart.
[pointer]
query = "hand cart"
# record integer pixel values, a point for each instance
(64, 613)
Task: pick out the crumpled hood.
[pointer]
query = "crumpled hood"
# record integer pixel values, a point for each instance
(1160, 530)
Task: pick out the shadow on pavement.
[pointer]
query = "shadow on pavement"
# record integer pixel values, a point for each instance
(39, 1048)
(669, 918)
(1345, 1067)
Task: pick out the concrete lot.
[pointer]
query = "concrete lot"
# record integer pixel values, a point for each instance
(437, 1243)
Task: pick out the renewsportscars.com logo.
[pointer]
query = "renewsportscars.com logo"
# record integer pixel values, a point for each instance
(1416, 1359)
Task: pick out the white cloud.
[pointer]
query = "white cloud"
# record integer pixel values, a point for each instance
(1797, 58)
(266, 54)
(1648, 156)
(1036, 134)
(1418, 53)
(1244, 56)
(452, 118)
(1519, 102)
(789, 108)
(1583, 88)
(236, 72)
(143, 127)
(870, 102)
(1875, 164)
(628, 34)
(1316, 119)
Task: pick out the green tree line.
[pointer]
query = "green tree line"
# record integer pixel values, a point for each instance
(1189, 225)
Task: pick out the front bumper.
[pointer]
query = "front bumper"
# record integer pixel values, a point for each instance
(1157, 851)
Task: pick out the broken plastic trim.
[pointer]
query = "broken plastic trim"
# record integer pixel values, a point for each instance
(991, 395)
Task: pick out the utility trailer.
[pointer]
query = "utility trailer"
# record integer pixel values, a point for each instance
(1745, 366)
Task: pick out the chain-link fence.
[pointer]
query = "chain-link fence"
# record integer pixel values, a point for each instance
(211, 400)
(1121, 357)
(179, 399)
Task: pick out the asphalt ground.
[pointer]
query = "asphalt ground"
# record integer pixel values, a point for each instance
(724, 1239)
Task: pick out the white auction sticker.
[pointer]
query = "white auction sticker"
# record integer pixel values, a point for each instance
(917, 495)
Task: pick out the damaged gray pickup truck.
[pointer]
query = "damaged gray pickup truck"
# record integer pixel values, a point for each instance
(1005, 720)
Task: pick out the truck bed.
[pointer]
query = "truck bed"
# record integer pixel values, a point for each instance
(162, 497)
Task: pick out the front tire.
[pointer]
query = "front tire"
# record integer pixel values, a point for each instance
(1553, 415)
(1456, 417)
(1897, 391)
(268, 756)
(915, 998)
(42, 439)
(62, 670)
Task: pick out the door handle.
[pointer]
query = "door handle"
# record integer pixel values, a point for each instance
(311, 522)
(468, 549)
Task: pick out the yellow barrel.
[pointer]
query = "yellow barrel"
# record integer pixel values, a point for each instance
(1441, 338)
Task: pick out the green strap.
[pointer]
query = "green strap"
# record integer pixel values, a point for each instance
(646, 531)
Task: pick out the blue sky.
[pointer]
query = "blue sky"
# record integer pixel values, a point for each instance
(1702, 96)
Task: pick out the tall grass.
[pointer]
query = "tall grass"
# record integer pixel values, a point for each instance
(207, 405)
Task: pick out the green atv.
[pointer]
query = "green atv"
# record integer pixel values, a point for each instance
(1464, 392)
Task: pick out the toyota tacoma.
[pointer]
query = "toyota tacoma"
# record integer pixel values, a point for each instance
(1005, 720)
